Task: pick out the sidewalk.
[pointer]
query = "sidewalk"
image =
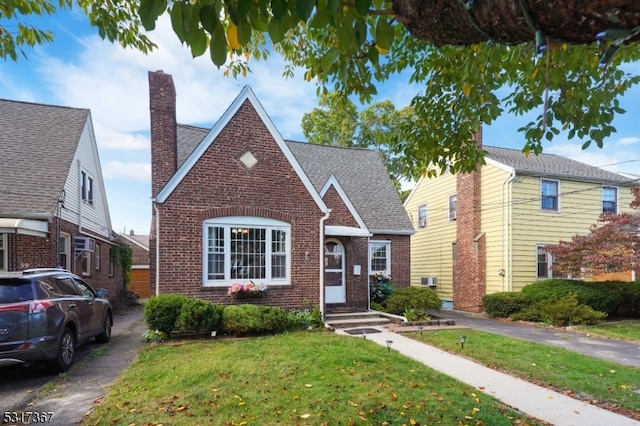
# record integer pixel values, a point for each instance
(536, 401)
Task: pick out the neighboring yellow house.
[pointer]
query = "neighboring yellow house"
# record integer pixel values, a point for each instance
(485, 232)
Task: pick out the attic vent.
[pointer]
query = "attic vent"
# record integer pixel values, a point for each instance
(429, 281)
(248, 159)
(84, 244)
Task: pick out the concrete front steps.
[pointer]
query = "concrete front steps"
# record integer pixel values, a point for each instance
(358, 319)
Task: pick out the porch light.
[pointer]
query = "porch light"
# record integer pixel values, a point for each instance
(462, 339)
(389, 343)
(364, 334)
(421, 328)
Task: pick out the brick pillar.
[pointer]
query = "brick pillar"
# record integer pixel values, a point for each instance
(469, 284)
(162, 107)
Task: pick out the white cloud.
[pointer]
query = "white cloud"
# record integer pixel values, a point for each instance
(129, 171)
(629, 141)
(113, 140)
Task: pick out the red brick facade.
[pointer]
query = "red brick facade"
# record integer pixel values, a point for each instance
(26, 251)
(469, 276)
(219, 184)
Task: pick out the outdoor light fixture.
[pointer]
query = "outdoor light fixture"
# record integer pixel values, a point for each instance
(462, 339)
(389, 343)
(364, 334)
(421, 328)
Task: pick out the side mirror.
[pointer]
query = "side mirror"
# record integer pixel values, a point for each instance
(102, 293)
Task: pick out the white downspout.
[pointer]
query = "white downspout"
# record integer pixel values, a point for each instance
(506, 242)
(155, 208)
(322, 220)
(80, 198)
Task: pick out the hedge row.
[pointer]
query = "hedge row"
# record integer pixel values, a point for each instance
(171, 313)
(566, 302)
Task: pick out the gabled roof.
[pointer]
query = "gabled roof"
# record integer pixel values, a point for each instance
(246, 95)
(552, 166)
(37, 145)
(364, 179)
(359, 172)
(141, 241)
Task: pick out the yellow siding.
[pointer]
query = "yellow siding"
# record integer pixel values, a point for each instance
(431, 247)
(579, 207)
(494, 207)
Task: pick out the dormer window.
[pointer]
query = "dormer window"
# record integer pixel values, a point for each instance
(87, 188)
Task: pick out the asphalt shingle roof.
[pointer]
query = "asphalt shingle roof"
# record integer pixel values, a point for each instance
(360, 173)
(37, 143)
(551, 165)
(362, 176)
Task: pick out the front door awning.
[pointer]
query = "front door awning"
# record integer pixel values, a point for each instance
(345, 231)
(37, 228)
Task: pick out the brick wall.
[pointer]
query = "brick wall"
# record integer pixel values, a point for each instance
(26, 251)
(469, 283)
(340, 214)
(219, 185)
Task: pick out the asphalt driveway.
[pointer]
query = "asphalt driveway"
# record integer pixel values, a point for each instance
(71, 395)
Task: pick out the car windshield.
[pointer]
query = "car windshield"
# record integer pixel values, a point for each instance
(12, 291)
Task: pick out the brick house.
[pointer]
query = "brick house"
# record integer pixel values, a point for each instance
(54, 208)
(236, 203)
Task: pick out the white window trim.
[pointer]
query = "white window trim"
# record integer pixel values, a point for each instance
(66, 237)
(426, 215)
(3, 247)
(96, 255)
(557, 195)
(249, 222)
(549, 263)
(85, 255)
(449, 216)
(387, 270)
(617, 189)
(87, 188)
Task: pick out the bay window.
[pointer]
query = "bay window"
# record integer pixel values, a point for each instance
(240, 249)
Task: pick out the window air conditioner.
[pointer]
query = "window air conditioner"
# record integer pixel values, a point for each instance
(84, 244)
(429, 281)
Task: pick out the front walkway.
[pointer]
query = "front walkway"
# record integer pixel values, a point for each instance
(536, 401)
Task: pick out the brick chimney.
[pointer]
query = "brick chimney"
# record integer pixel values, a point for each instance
(162, 107)
(469, 282)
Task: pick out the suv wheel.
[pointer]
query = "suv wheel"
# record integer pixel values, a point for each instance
(106, 331)
(66, 353)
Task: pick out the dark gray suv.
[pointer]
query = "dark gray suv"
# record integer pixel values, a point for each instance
(46, 313)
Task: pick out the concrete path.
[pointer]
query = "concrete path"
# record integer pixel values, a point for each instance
(536, 401)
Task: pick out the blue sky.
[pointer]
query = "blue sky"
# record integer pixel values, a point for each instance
(81, 70)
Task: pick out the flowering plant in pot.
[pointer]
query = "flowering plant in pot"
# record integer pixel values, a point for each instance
(250, 290)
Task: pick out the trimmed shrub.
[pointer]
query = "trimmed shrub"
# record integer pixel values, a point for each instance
(503, 305)
(599, 296)
(197, 315)
(252, 319)
(418, 298)
(630, 294)
(303, 319)
(380, 291)
(569, 311)
(161, 312)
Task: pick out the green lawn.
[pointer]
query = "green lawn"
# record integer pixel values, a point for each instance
(625, 330)
(578, 375)
(302, 378)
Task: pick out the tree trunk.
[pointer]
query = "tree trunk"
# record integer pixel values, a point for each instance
(444, 22)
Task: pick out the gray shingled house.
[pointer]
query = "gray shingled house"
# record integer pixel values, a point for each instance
(486, 232)
(54, 208)
(236, 204)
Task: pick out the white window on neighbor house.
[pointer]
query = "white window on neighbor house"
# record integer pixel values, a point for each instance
(86, 188)
(239, 249)
(64, 251)
(544, 262)
(453, 207)
(85, 257)
(610, 199)
(422, 216)
(96, 255)
(549, 195)
(380, 257)
(3, 252)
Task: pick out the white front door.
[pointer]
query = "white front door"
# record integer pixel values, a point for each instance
(334, 278)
